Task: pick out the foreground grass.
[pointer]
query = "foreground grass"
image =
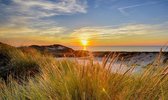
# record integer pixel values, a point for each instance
(70, 80)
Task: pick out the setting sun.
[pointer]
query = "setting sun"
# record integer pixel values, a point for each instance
(84, 42)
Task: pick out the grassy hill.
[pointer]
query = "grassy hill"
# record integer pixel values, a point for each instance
(70, 80)
(17, 63)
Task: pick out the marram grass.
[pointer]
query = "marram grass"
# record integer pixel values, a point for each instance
(70, 80)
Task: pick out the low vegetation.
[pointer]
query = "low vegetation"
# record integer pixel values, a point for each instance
(51, 79)
(17, 63)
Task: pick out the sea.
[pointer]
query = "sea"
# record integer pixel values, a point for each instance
(122, 48)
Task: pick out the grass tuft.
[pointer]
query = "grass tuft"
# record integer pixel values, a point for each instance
(70, 80)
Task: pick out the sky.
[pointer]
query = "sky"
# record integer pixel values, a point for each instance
(68, 22)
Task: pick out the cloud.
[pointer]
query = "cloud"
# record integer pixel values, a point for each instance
(21, 12)
(31, 18)
(118, 32)
(130, 33)
(123, 9)
(13, 32)
(44, 8)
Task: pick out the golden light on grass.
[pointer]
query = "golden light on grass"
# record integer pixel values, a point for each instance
(84, 44)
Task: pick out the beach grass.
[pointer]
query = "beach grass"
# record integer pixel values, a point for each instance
(71, 80)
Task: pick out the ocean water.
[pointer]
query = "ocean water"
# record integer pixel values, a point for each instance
(122, 48)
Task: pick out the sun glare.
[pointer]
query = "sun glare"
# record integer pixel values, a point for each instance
(84, 42)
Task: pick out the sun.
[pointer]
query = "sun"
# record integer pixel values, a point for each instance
(84, 42)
